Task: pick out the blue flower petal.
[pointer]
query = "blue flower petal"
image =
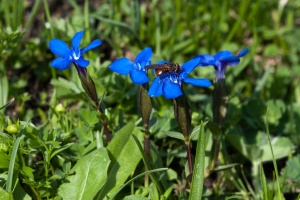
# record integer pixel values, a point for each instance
(230, 60)
(220, 54)
(58, 47)
(190, 65)
(144, 56)
(200, 82)
(94, 44)
(171, 90)
(243, 52)
(155, 89)
(60, 63)
(122, 66)
(206, 59)
(77, 39)
(82, 62)
(139, 77)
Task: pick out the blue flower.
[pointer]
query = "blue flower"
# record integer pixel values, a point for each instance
(221, 60)
(169, 83)
(68, 55)
(136, 70)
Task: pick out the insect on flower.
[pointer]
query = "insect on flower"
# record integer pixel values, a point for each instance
(167, 67)
(169, 78)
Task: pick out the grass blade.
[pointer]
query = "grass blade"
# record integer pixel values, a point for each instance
(199, 167)
(263, 182)
(138, 176)
(273, 158)
(13, 159)
(8, 103)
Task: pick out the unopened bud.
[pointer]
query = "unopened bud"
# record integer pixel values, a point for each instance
(59, 108)
(3, 147)
(12, 129)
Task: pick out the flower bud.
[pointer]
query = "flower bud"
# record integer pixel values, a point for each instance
(12, 129)
(59, 108)
(3, 147)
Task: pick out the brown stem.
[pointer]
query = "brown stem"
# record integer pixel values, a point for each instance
(104, 123)
(215, 154)
(189, 156)
(147, 153)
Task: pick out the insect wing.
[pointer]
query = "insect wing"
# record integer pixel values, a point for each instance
(156, 66)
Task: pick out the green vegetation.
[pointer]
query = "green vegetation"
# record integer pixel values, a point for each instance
(53, 140)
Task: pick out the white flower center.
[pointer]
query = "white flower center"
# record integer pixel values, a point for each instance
(76, 57)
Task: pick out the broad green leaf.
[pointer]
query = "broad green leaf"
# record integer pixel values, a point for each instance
(120, 139)
(282, 147)
(90, 176)
(125, 156)
(60, 82)
(89, 117)
(4, 160)
(292, 169)
(257, 148)
(276, 109)
(3, 194)
(19, 193)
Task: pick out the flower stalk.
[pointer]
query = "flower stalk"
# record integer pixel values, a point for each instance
(183, 117)
(89, 87)
(145, 107)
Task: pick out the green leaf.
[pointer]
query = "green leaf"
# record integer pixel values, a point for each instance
(199, 167)
(135, 197)
(125, 156)
(136, 177)
(3, 87)
(90, 176)
(292, 169)
(277, 109)
(263, 182)
(13, 159)
(4, 160)
(89, 117)
(3, 194)
(195, 133)
(66, 84)
(19, 193)
(257, 148)
(214, 129)
(60, 149)
(225, 167)
(282, 147)
(7, 104)
(174, 134)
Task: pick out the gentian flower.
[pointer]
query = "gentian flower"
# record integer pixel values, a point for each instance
(169, 83)
(70, 55)
(221, 60)
(136, 69)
